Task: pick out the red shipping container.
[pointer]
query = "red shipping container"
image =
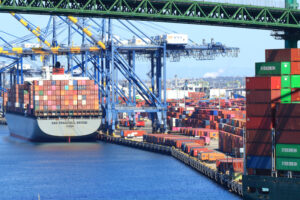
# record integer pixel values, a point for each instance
(259, 123)
(288, 123)
(288, 110)
(195, 151)
(263, 96)
(288, 137)
(258, 149)
(140, 123)
(281, 55)
(295, 95)
(58, 71)
(237, 164)
(133, 133)
(262, 136)
(192, 145)
(259, 110)
(263, 83)
(295, 68)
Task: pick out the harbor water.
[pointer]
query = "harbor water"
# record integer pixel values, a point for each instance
(96, 170)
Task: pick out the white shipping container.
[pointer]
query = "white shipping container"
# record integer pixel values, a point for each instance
(36, 98)
(190, 108)
(45, 98)
(175, 39)
(177, 94)
(215, 93)
(75, 102)
(17, 105)
(181, 104)
(173, 121)
(83, 102)
(40, 83)
(79, 97)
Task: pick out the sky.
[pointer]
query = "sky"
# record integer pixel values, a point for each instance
(252, 44)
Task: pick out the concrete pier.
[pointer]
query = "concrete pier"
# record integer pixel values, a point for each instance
(203, 168)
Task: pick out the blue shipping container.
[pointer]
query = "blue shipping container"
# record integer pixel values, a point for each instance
(214, 112)
(259, 162)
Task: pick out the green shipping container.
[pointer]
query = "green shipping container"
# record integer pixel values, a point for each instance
(295, 81)
(288, 150)
(272, 68)
(288, 164)
(286, 95)
(285, 81)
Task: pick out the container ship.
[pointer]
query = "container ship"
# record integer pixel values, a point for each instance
(54, 107)
(272, 150)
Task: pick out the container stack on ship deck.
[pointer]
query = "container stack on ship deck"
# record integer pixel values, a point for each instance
(54, 97)
(273, 129)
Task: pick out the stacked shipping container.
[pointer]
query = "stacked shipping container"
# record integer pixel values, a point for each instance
(203, 119)
(272, 98)
(54, 98)
(230, 164)
(192, 146)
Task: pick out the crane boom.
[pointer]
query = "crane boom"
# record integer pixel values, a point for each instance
(87, 32)
(30, 28)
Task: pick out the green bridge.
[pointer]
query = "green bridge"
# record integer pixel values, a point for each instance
(180, 11)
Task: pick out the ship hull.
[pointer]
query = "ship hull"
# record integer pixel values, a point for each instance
(266, 187)
(52, 129)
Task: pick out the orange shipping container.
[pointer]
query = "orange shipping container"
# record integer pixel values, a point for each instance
(212, 157)
(203, 155)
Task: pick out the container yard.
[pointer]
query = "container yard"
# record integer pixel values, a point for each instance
(139, 95)
(206, 135)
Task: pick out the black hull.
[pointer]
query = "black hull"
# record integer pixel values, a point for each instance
(266, 187)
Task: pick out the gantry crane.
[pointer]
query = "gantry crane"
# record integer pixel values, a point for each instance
(107, 61)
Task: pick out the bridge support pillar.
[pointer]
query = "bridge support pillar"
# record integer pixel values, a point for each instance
(290, 42)
(293, 4)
